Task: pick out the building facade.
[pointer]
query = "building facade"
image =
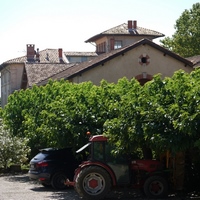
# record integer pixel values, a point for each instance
(126, 50)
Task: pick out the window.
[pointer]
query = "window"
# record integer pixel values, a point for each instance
(144, 59)
(98, 151)
(118, 44)
(74, 59)
(84, 58)
(101, 47)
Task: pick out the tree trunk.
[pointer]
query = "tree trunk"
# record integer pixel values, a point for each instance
(179, 171)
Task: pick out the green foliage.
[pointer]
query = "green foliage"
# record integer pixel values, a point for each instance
(186, 38)
(60, 113)
(124, 129)
(166, 102)
(13, 150)
(162, 114)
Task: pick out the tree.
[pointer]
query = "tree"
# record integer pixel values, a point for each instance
(162, 115)
(125, 129)
(159, 114)
(60, 113)
(13, 150)
(186, 39)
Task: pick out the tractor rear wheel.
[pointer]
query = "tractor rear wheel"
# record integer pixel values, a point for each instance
(156, 187)
(93, 182)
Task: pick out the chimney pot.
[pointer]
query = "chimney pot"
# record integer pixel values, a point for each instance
(38, 55)
(30, 52)
(60, 54)
(130, 24)
(135, 24)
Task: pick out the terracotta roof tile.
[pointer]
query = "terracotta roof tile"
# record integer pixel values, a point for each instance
(123, 30)
(46, 56)
(16, 60)
(195, 60)
(37, 72)
(78, 68)
(72, 53)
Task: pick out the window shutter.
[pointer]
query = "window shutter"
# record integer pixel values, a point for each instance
(112, 42)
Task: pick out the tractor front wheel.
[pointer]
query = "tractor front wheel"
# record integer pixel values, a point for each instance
(93, 182)
(156, 187)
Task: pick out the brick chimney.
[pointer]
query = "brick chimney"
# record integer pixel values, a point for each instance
(130, 24)
(60, 54)
(135, 24)
(30, 52)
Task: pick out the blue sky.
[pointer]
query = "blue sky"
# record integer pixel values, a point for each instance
(68, 23)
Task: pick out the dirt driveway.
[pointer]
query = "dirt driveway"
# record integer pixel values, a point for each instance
(19, 187)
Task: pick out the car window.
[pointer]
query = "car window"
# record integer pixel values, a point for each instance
(40, 156)
(55, 155)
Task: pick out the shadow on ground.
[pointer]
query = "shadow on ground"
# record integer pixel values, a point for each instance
(69, 193)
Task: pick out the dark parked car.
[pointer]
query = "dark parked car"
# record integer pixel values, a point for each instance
(53, 166)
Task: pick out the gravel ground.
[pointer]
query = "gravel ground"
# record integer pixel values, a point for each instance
(19, 187)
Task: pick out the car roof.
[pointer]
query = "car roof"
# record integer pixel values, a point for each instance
(46, 150)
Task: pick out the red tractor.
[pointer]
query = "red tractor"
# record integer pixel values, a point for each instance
(102, 171)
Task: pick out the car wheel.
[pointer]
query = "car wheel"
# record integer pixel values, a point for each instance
(58, 180)
(93, 183)
(156, 187)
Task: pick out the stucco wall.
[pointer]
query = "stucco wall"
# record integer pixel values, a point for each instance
(16, 76)
(11, 77)
(126, 40)
(128, 65)
(5, 85)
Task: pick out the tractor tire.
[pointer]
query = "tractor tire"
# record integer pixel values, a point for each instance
(156, 187)
(58, 180)
(93, 182)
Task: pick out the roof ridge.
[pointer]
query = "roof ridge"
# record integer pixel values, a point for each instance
(123, 29)
(14, 59)
(80, 51)
(41, 63)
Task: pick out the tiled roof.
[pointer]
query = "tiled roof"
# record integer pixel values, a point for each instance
(71, 53)
(123, 30)
(16, 60)
(49, 56)
(46, 56)
(79, 68)
(37, 72)
(195, 60)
